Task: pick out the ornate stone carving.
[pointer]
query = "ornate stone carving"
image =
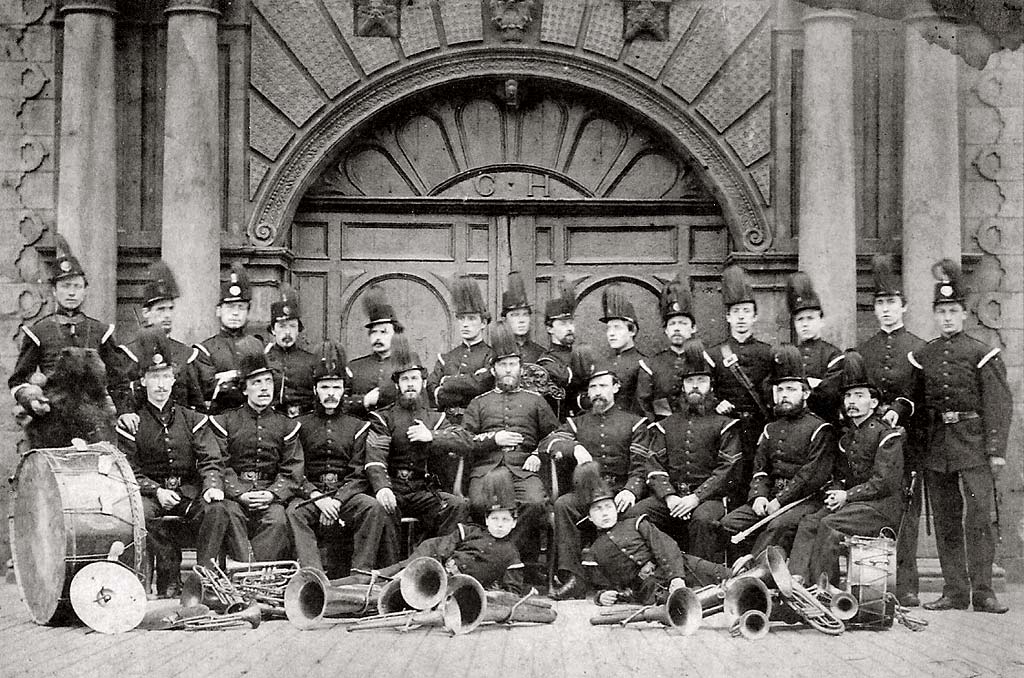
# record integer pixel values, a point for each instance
(377, 18)
(512, 17)
(646, 19)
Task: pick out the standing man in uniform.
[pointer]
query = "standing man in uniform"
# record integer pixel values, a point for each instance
(694, 470)
(518, 314)
(67, 326)
(742, 366)
(969, 408)
(823, 362)
(659, 389)
(369, 385)
(624, 358)
(560, 324)
(405, 441)
(887, 360)
(262, 455)
(794, 459)
(333, 448)
(292, 365)
(178, 467)
(505, 425)
(217, 363)
(620, 443)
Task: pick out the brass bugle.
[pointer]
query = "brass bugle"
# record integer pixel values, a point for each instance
(421, 585)
(310, 598)
(752, 625)
(843, 605)
(681, 611)
(462, 610)
(507, 608)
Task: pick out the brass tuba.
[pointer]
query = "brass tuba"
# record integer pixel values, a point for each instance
(681, 611)
(200, 618)
(462, 610)
(844, 606)
(310, 598)
(421, 585)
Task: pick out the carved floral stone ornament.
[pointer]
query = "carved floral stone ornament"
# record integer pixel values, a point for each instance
(512, 17)
(645, 19)
(377, 18)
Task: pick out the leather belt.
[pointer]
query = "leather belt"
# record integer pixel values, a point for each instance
(253, 476)
(957, 417)
(330, 478)
(172, 482)
(410, 474)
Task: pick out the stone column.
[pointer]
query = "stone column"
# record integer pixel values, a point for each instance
(87, 171)
(192, 164)
(828, 217)
(931, 166)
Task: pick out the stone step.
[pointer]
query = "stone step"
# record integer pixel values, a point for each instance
(931, 576)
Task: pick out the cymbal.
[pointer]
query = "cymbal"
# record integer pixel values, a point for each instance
(108, 597)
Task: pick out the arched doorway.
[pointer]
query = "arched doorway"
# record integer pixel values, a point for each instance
(488, 176)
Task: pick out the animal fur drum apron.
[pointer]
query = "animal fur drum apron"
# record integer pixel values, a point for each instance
(71, 505)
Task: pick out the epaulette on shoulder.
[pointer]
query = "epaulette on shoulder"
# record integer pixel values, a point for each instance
(640, 518)
(729, 423)
(891, 436)
(200, 423)
(838, 359)
(820, 428)
(202, 349)
(640, 423)
(31, 335)
(362, 429)
(988, 356)
(912, 359)
(644, 367)
(295, 431)
(192, 356)
(655, 425)
(267, 348)
(128, 352)
(218, 426)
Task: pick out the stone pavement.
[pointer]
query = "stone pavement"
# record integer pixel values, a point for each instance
(955, 645)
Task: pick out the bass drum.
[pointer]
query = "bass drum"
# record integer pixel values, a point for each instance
(70, 506)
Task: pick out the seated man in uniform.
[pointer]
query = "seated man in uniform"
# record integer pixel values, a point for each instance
(632, 561)
(292, 365)
(178, 467)
(262, 455)
(694, 470)
(793, 461)
(867, 484)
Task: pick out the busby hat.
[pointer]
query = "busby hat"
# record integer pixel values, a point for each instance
(404, 358)
(331, 363)
(236, 287)
(514, 295)
(696, 361)
(736, 287)
(160, 284)
(66, 264)
(586, 361)
(676, 299)
(498, 491)
(468, 298)
(252, 361)
(855, 373)
(616, 306)
(589, 485)
(562, 303)
(286, 307)
(883, 278)
(800, 294)
(503, 343)
(378, 309)
(788, 365)
(949, 283)
(154, 350)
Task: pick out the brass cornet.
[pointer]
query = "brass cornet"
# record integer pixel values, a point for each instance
(200, 618)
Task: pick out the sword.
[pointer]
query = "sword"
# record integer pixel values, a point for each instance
(995, 498)
(927, 511)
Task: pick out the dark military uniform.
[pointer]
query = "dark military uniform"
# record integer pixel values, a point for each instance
(638, 560)
(794, 460)
(823, 361)
(218, 354)
(754, 358)
(293, 379)
(365, 374)
(620, 443)
(887, 358)
(557, 362)
(529, 350)
(394, 461)
(969, 406)
(698, 456)
(261, 452)
(659, 389)
(460, 375)
(627, 365)
(870, 468)
(175, 449)
(332, 447)
(525, 413)
(130, 395)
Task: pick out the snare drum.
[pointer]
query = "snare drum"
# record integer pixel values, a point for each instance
(70, 505)
(871, 578)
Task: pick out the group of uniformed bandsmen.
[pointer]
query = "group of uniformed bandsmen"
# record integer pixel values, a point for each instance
(267, 449)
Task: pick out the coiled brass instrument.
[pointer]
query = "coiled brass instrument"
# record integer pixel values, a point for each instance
(842, 604)
(201, 618)
(263, 581)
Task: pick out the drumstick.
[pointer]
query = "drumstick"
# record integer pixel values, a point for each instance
(740, 536)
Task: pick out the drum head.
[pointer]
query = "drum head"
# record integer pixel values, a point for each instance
(38, 537)
(108, 597)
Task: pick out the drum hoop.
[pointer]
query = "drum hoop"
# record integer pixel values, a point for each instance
(135, 502)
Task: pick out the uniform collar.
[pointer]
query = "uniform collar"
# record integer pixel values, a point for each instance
(749, 340)
(165, 415)
(624, 351)
(232, 334)
(892, 333)
(607, 413)
(253, 412)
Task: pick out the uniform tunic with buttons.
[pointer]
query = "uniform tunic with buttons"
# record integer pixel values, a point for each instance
(627, 364)
(42, 343)
(219, 353)
(518, 411)
(870, 466)
(331, 444)
(557, 362)
(266, 443)
(130, 394)
(293, 378)
(887, 359)
(755, 359)
(529, 350)
(659, 389)
(389, 450)
(794, 458)
(617, 440)
(460, 375)
(699, 456)
(823, 361)
(365, 374)
(477, 553)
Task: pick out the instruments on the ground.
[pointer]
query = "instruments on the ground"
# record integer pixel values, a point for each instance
(842, 604)
(70, 506)
(752, 625)
(310, 598)
(201, 618)
(681, 611)
(740, 536)
(421, 585)
(262, 581)
(209, 585)
(108, 597)
(463, 609)
(870, 576)
(812, 611)
(507, 608)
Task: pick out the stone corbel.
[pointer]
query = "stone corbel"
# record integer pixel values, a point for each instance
(646, 20)
(512, 18)
(377, 18)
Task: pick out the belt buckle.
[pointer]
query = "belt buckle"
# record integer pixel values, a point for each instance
(293, 411)
(172, 482)
(329, 478)
(250, 476)
(405, 474)
(950, 417)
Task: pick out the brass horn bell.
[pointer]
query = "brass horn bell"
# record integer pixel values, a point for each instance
(462, 610)
(681, 611)
(310, 598)
(770, 567)
(421, 585)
